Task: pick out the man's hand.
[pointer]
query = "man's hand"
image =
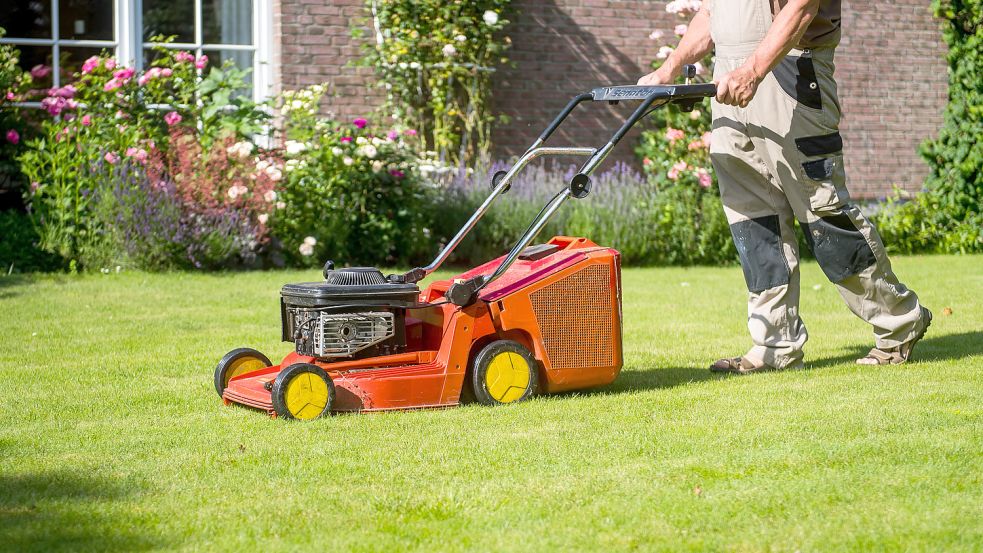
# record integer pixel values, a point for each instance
(660, 76)
(737, 88)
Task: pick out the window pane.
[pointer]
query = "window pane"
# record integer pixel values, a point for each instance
(243, 60)
(85, 19)
(72, 58)
(32, 56)
(169, 17)
(26, 18)
(227, 21)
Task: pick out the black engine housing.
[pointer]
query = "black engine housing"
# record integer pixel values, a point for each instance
(354, 291)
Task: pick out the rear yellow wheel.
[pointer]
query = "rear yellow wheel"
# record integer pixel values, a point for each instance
(302, 391)
(504, 372)
(238, 362)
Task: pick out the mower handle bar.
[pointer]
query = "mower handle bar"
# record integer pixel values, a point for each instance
(688, 95)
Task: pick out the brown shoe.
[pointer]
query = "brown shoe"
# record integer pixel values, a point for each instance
(738, 365)
(900, 354)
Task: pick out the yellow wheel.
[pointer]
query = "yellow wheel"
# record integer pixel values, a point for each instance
(504, 372)
(302, 391)
(238, 362)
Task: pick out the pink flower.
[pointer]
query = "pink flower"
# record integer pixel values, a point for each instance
(646, 161)
(166, 72)
(673, 135)
(172, 118)
(678, 168)
(680, 29)
(34, 187)
(410, 132)
(665, 52)
(704, 176)
(111, 158)
(124, 74)
(397, 173)
(392, 135)
(112, 84)
(345, 139)
(183, 57)
(696, 145)
(706, 139)
(40, 71)
(67, 91)
(54, 105)
(138, 154)
(86, 120)
(360, 123)
(201, 62)
(11, 96)
(90, 65)
(13, 136)
(110, 64)
(656, 35)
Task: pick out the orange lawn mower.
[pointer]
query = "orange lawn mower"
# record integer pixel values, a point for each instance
(542, 318)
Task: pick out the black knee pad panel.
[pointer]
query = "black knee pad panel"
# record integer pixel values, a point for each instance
(759, 245)
(839, 246)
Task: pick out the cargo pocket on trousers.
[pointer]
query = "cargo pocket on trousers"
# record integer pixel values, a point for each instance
(797, 77)
(822, 171)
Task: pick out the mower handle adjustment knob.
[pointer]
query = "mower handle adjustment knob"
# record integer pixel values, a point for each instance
(328, 266)
(464, 292)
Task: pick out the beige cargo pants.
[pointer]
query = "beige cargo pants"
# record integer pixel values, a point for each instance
(780, 159)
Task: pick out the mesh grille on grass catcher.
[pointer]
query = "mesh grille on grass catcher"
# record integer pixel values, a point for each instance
(569, 310)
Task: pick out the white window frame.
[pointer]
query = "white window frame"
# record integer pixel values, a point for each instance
(128, 44)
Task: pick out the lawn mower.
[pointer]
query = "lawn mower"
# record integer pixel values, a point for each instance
(541, 318)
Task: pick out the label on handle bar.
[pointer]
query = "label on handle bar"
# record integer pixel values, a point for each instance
(635, 92)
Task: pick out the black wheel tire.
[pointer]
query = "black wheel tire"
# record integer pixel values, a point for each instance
(236, 362)
(509, 385)
(313, 398)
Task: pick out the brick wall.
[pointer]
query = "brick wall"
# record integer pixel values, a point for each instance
(890, 68)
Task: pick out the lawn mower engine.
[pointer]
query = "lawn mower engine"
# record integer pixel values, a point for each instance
(355, 313)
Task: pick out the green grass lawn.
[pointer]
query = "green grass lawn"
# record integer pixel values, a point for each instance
(112, 436)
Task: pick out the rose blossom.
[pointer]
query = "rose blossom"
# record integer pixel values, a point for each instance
(110, 64)
(360, 123)
(673, 135)
(112, 84)
(183, 57)
(201, 62)
(13, 136)
(11, 96)
(263, 218)
(695, 145)
(410, 132)
(270, 196)
(90, 65)
(172, 118)
(706, 139)
(111, 158)
(138, 154)
(704, 176)
(86, 120)
(40, 71)
(124, 74)
(680, 29)
(656, 35)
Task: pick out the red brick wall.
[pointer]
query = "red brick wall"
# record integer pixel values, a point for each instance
(890, 67)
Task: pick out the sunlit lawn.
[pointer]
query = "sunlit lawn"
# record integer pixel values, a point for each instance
(112, 436)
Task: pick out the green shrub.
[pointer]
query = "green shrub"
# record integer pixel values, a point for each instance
(350, 193)
(108, 115)
(947, 216)
(19, 250)
(435, 60)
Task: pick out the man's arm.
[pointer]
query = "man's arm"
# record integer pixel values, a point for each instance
(694, 45)
(737, 88)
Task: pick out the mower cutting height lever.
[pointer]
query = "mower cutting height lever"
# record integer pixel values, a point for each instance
(544, 318)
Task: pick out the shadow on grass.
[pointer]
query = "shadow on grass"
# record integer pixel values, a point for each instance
(949, 347)
(9, 284)
(60, 510)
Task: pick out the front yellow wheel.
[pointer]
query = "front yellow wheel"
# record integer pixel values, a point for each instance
(504, 372)
(302, 391)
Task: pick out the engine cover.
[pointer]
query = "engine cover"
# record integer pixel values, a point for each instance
(354, 313)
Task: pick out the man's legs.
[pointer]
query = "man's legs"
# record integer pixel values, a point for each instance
(761, 222)
(796, 129)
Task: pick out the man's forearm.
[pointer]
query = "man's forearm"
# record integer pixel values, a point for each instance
(785, 32)
(695, 44)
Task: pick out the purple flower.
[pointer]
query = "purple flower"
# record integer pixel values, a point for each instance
(360, 123)
(397, 173)
(13, 136)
